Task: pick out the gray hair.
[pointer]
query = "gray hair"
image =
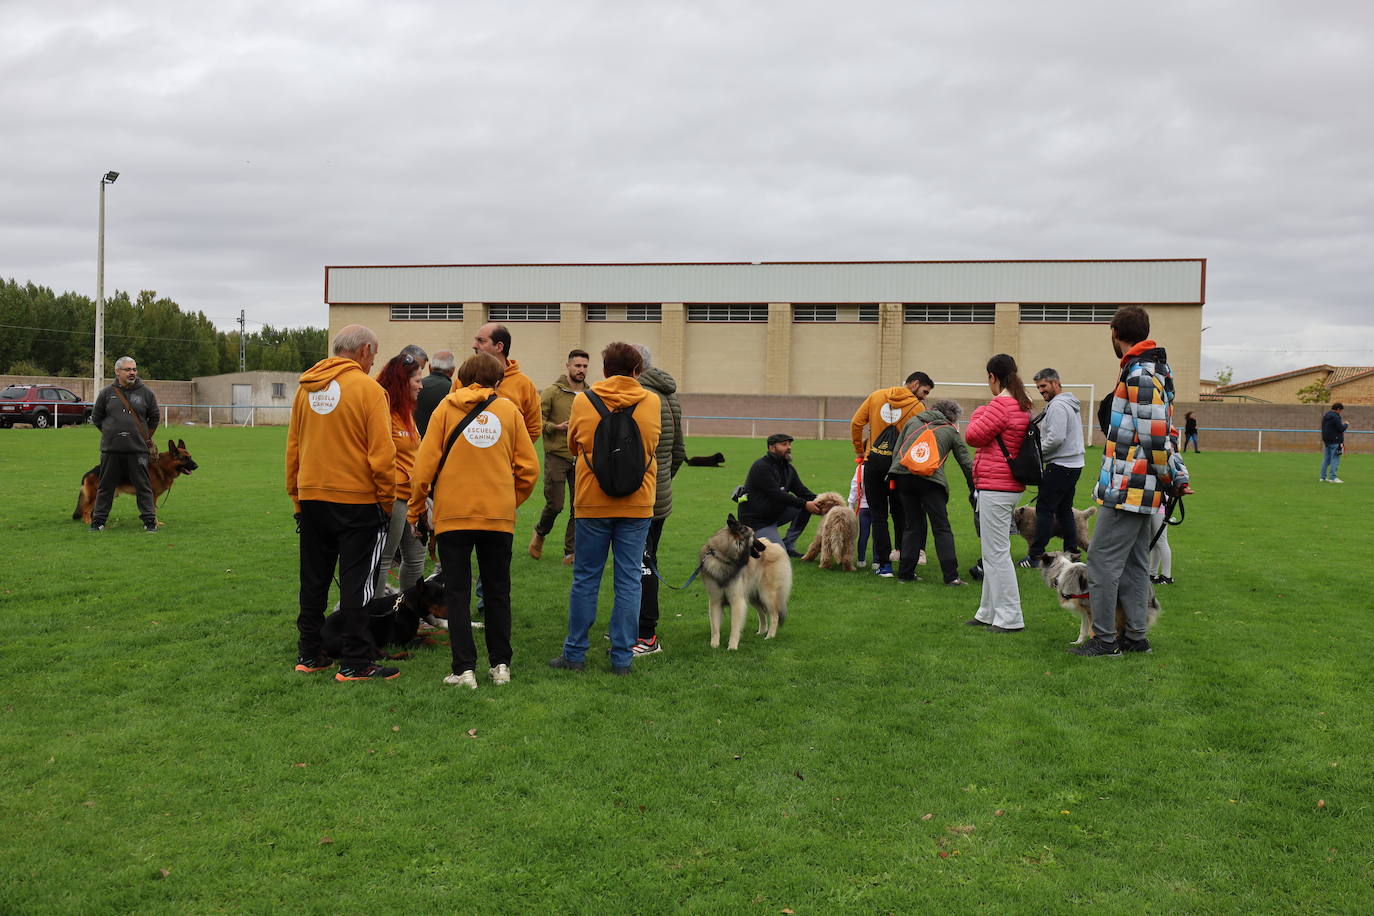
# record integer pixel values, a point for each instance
(443, 361)
(645, 355)
(418, 352)
(1046, 375)
(949, 408)
(124, 360)
(353, 338)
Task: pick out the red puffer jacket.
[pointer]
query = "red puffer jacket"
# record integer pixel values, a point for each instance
(1001, 417)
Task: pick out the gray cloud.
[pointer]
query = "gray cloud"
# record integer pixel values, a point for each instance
(259, 142)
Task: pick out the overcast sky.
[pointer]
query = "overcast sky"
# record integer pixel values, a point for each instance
(259, 141)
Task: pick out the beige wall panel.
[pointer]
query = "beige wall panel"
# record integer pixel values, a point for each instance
(946, 352)
(834, 359)
(725, 357)
(596, 334)
(1285, 390)
(1360, 391)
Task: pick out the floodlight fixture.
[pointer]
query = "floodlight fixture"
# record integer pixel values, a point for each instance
(109, 178)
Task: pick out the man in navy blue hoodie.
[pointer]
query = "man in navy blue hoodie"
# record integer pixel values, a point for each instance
(1333, 442)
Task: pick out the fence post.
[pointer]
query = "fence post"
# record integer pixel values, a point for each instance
(211, 408)
(1260, 447)
(753, 429)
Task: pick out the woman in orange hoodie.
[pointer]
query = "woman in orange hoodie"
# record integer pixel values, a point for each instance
(488, 470)
(400, 379)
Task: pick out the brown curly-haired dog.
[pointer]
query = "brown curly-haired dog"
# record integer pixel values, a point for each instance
(834, 543)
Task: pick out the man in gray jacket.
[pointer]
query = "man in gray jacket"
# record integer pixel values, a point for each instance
(1061, 447)
(671, 453)
(126, 415)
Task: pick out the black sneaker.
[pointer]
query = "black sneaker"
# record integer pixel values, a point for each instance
(620, 670)
(1027, 563)
(794, 553)
(563, 664)
(976, 571)
(1096, 648)
(151, 529)
(366, 673)
(97, 526)
(1165, 580)
(310, 664)
(997, 629)
(1135, 645)
(975, 622)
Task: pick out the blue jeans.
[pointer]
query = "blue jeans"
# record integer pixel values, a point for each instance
(1331, 455)
(623, 538)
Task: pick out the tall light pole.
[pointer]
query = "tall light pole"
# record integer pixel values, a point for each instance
(99, 365)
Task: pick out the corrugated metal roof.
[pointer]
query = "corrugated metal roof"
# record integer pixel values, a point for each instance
(1179, 281)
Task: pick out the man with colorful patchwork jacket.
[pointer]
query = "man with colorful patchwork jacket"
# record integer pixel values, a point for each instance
(1140, 468)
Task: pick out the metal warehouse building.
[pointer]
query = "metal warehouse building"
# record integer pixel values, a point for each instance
(812, 328)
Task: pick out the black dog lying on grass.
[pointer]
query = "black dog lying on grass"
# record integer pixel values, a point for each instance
(707, 461)
(392, 620)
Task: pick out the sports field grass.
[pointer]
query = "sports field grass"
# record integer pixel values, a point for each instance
(160, 755)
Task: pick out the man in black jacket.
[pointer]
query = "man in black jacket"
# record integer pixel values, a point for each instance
(775, 496)
(434, 388)
(1333, 442)
(126, 415)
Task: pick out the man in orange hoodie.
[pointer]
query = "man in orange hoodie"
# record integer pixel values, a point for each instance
(516, 386)
(884, 413)
(605, 523)
(489, 470)
(341, 475)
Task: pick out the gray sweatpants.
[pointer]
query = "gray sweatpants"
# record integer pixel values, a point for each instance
(1119, 570)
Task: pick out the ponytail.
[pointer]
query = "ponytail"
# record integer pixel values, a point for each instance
(1003, 368)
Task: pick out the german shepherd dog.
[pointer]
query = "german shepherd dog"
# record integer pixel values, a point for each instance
(739, 568)
(163, 471)
(1070, 583)
(392, 620)
(1023, 523)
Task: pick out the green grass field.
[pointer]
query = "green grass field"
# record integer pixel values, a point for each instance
(160, 755)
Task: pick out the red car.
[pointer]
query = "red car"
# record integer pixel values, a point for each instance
(41, 406)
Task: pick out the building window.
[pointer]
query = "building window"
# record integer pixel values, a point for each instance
(915, 313)
(278, 389)
(806, 314)
(524, 312)
(727, 313)
(431, 312)
(644, 312)
(869, 313)
(1070, 314)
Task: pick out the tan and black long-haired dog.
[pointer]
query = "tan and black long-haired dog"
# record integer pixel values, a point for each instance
(834, 544)
(1070, 583)
(741, 569)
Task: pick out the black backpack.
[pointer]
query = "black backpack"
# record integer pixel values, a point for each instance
(886, 442)
(1026, 467)
(617, 450)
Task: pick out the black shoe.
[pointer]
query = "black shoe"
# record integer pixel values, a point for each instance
(1135, 645)
(1165, 580)
(794, 554)
(997, 629)
(975, 622)
(151, 529)
(97, 526)
(1028, 562)
(976, 571)
(366, 673)
(1096, 648)
(620, 670)
(563, 664)
(313, 663)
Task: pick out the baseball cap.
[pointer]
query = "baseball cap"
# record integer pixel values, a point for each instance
(779, 437)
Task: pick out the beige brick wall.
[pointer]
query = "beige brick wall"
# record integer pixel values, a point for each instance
(1281, 391)
(827, 358)
(1360, 391)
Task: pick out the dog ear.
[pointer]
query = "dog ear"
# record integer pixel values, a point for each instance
(757, 548)
(731, 522)
(1047, 559)
(171, 446)
(181, 444)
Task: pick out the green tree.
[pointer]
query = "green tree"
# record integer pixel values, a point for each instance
(1315, 393)
(1225, 375)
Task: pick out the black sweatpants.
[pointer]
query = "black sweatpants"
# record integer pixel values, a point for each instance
(921, 498)
(121, 467)
(882, 501)
(493, 565)
(351, 537)
(1055, 502)
(648, 582)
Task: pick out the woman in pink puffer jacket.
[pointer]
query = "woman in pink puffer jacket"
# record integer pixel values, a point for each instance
(1003, 418)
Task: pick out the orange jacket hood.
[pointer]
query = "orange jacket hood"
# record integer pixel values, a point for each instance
(326, 371)
(616, 392)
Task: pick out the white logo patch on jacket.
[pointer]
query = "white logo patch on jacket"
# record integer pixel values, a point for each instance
(326, 399)
(889, 413)
(484, 431)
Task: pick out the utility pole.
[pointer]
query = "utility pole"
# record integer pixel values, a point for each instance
(98, 372)
(243, 346)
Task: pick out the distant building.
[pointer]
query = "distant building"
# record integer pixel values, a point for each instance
(1347, 384)
(812, 328)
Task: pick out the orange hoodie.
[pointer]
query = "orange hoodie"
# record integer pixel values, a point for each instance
(339, 447)
(407, 440)
(883, 408)
(490, 470)
(591, 501)
(517, 388)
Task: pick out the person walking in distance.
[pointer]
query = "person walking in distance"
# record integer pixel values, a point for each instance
(555, 407)
(341, 476)
(1190, 432)
(126, 415)
(883, 413)
(668, 458)
(1333, 442)
(1140, 468)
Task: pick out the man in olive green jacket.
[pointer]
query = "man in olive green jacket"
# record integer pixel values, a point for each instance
(929, 496)
(671, 455)
(555, 405)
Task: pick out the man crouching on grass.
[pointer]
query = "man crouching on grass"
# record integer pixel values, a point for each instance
(340, 472)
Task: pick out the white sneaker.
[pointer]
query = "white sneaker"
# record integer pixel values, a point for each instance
(1335, 480)
(499, 675)
(921, 560)
(466, 679)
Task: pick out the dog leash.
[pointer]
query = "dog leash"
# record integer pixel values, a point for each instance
(653, 567)
(1170, 502)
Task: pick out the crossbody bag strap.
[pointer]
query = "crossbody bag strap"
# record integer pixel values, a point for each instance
(142, 427)
(453, 436)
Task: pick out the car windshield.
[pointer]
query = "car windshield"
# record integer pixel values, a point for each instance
(13, 392)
